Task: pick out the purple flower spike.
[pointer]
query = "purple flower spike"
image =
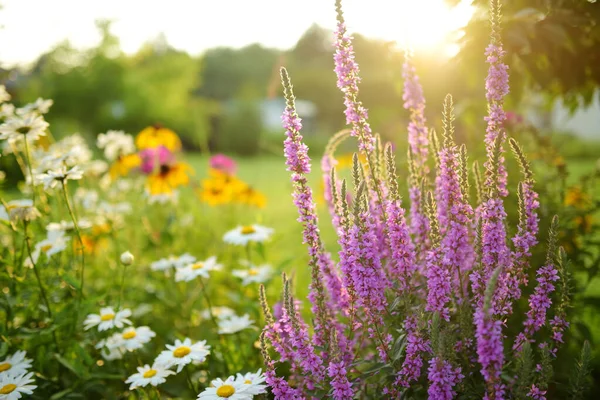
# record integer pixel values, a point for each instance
(442, 379)
(347, 70)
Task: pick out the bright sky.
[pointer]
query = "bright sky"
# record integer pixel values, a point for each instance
(30, 27)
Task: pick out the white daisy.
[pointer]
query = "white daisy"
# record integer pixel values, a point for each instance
(242, 235)
(234, 324)
(13, 387)
(16, 364)
(219, 312)
(133, 338)
(30, 126)
(196, 269)
(228, 389)
(111, 348)
(20, 210)
(40, 106)
(253, 382)
(115, 144)
(182, 353)
(108, 319)
(172, 262)
(254, 274)
(51, 178)
(55, 242)
(95, 168)
(4, 95)
(155, 375)
(7, 110)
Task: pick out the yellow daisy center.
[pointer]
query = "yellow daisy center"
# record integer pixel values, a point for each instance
(247, 381)
(129, 335)
(149, 374)
(46, 248)
(182, 351)
(5, 366)
(247, 230)
(252, 272)
(107, 317)
(6, 389)
(198, 265)
(225, 391)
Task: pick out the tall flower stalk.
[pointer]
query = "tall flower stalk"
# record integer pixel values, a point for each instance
(448, 272)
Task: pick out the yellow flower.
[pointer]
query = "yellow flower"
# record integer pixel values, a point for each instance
(168, 178)
(585, 223)
(252, 197)
(91, 245)
(577, 198)
(124, 164)
(154, 136)
(215, 192)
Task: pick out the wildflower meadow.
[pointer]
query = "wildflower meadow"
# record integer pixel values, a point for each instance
(133, 268)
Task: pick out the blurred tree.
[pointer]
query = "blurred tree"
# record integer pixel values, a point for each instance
(226, 71)
(553, 46)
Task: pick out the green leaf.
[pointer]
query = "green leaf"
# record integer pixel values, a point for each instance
(68, 365)
(72, 281)
(61, 394)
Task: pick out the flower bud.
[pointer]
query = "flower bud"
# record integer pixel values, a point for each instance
(127, 258)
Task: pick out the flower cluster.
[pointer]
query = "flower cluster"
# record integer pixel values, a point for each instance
(436, 287)
(224, 187)
(15, 378)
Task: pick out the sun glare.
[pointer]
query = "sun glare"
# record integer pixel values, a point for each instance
(420, 24)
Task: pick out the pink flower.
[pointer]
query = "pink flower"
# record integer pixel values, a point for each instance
(153, 158)
(223, 163)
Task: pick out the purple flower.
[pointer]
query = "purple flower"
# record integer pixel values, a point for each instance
(279, 386)
(298, 162)
(342, 388)
(360, 262)
(416, 346)
(539, 303)
(223, 163)
(402, 263)
(559, 324)
(347, 70)
(455, 216)
(442, 379)
(524, 240)
(419, 223)
(495, 253)
(415, 103)
(439, 287)
(419, 147)
(490, 351)
(496, 86)
(153, 158)
(536, 393)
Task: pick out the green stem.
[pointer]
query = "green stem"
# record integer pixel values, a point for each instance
(249, 252)
(39, 281)
(122, 287)
(76, 225)
(215, 322)
(30, 168)
(189, 380)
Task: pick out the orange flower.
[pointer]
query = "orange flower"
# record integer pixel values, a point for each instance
(577, 198)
